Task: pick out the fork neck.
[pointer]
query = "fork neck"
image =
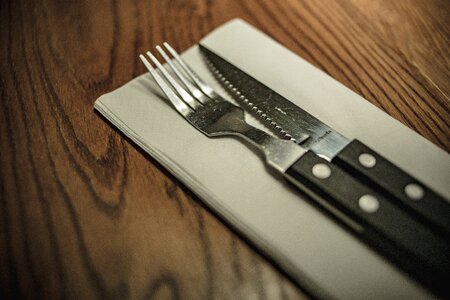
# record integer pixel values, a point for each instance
(279, 154)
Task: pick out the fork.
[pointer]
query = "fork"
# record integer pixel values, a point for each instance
(212, 114)
(359, 207)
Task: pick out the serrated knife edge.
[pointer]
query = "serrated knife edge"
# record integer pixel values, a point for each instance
(250, 105)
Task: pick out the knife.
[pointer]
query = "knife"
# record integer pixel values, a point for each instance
(427, 260)
(292, 122)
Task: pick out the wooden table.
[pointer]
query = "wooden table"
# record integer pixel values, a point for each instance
(85, 214)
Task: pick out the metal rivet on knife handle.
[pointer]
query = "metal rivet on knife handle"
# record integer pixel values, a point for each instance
(414, 191)
(321, 171)
(367, 160)
(369, 203)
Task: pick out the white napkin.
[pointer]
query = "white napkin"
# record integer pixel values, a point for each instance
(234, 182)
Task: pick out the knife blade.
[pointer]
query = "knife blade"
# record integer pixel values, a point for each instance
(362, 162)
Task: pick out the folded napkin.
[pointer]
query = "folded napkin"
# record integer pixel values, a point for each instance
(233, 181)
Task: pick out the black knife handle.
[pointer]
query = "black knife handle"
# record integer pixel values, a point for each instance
(404, 190)
(386, 227)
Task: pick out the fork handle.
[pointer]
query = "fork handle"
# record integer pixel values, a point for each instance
(368, 214)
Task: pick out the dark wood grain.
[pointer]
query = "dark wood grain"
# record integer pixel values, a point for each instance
(84, 214)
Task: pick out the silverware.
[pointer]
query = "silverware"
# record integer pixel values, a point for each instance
(294, 123)
(213, 115)
(362, 209)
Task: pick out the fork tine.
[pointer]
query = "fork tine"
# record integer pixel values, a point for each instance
(180, 90)
(195, 91)
(180, 106)
(198, 81)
